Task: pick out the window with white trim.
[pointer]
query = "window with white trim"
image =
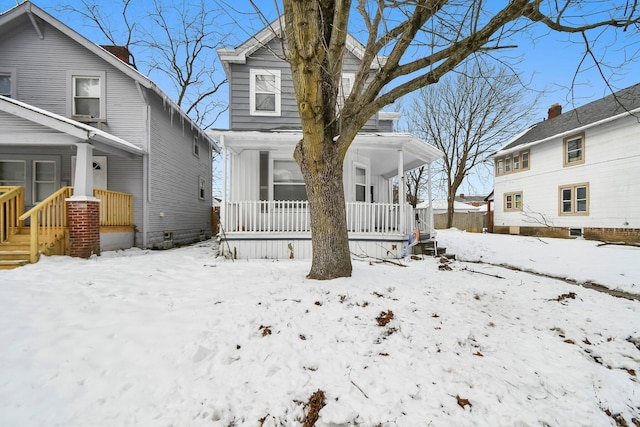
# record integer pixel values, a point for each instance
(8, 82)
(513, 201)
(87, 96)
(264, 88)
(573, 148)
(346, 84)
(202, 188)
(44, 179)
(361, 184)
(288, 183)
(12, 173)
(196, 147)
(574, 199)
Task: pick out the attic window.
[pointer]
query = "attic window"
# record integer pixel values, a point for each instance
(196, 147)
(265, 92)
(574, 150)
(5, 84)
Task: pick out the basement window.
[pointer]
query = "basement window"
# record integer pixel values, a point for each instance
(575, 232)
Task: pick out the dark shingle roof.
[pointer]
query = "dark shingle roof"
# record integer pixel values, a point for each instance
(624, 100)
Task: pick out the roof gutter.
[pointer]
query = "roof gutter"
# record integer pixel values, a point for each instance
(563, 134)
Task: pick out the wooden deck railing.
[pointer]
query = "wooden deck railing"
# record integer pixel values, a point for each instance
(48, 221)
(11, 208)
(115, 208)
(293, 217)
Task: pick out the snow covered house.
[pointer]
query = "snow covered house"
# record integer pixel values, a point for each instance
(574, 174)
(93, 155)
(264, 212)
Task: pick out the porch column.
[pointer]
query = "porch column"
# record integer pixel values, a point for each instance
(223, 201)
(83, 184)
(402, 195)
(83, 210)
(431, 224)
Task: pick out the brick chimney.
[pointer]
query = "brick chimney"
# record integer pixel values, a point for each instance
(554, 111)
(120, 52)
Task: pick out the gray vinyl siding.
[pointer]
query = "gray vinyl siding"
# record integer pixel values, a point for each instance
(174, 180)
(42, 70)
(269, 58)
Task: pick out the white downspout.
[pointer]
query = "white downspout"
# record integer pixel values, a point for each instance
(146, 171)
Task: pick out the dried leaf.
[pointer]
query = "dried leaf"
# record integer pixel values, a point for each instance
(463, 402)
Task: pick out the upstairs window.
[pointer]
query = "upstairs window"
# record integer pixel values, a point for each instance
(195, 147)
(346, 84)
(288, 183)
(7, 85)
(88, 96)
(573, 148)
(265, 92)
(516, 162)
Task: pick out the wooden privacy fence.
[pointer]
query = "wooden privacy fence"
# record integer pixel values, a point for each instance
(469, 221)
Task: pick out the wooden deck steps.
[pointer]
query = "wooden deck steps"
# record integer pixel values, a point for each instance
(16, 251)
(430, 248)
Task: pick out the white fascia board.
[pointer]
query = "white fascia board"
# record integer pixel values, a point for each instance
(564, 134)
(70, 127)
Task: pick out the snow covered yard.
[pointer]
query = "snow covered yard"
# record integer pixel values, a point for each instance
(181, 338)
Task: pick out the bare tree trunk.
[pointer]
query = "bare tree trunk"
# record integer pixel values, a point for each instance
(329, 238)
(316, 54)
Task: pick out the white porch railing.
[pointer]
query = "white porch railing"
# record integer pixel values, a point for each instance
(254, 216)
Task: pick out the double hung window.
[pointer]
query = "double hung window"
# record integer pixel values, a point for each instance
(574, 199)
(288, 183)
(264, 98)
(573, 148)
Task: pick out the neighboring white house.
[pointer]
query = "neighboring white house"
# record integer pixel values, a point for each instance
(574, 174)
(264, 211)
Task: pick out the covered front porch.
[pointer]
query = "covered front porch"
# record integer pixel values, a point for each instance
(255, 224)
(45, 228)
(40, 213)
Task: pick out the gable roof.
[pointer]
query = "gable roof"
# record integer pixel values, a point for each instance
(609, 108)
(12, 17)
(62, 125)
(238, 55)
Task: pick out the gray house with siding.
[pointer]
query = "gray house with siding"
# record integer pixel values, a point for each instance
(264, 211)
(78, 124)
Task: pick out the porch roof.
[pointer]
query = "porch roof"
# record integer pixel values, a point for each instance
(59, 130)
(377, 146)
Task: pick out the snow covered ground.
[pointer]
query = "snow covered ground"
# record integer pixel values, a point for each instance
(182, 338)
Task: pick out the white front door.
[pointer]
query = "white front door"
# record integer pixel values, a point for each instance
(99, 171)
